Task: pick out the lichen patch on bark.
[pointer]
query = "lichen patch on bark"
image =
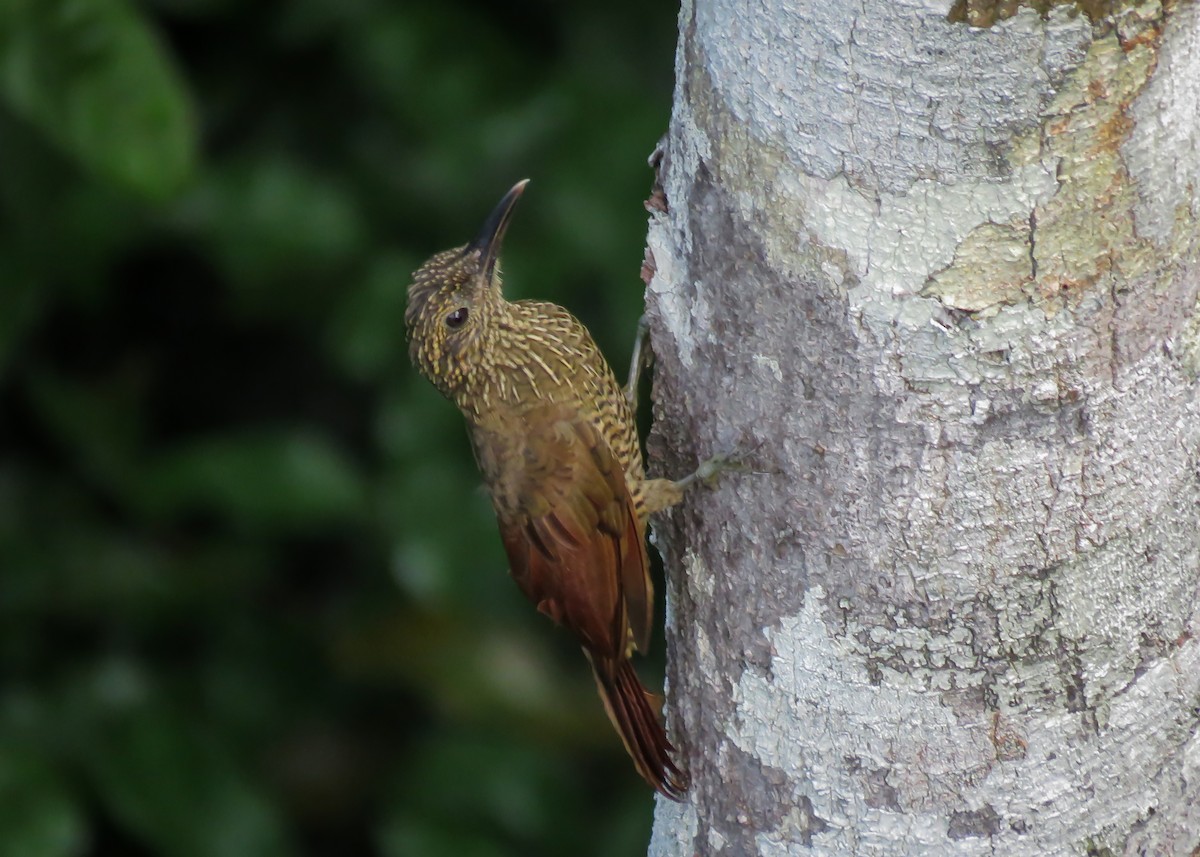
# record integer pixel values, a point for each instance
(985, 13)
(1083, 237)
(992, 266)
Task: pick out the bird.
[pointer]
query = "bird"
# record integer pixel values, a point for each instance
(557, 445)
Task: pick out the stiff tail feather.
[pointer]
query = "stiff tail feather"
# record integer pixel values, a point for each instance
(628, 705)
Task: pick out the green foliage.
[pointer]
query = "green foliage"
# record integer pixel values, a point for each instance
(37, 813)
(92, 76)
(252, 600)
(177, 788)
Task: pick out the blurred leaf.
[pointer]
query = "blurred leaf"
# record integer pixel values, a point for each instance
(502, 779)
(368, 334)
(85, 570)
(413, 836)
(446, 549)
(272, 479)
(100, 424)
(518, 791)
(47, 207)
(194, 8)
(171, 783)
(274, 222)
(21, 303)
(93, 76)
(477, 669)
(38, 817)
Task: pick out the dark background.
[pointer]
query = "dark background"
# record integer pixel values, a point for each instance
(252, 599)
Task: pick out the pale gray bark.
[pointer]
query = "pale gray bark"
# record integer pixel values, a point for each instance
(947, 277)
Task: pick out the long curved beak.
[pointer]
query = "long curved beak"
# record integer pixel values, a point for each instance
(487, 242)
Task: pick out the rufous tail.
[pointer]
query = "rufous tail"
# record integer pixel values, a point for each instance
(628, 705)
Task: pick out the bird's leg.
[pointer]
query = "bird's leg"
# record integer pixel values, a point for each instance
(711, 469)
(661, 494)
(641, 358)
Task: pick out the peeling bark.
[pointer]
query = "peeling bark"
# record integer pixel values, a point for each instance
(945, 280)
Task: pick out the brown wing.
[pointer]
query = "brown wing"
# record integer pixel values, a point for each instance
(578, 551)
(574, 544)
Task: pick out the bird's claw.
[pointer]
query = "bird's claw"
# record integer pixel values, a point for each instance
(710, 470)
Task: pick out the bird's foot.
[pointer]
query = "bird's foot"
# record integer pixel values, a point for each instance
(710, 471)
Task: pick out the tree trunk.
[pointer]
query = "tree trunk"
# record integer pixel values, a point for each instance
(943, 279)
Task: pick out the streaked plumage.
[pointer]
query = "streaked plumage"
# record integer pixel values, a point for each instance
(557, 445)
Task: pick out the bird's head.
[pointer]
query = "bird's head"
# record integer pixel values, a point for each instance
(452, 300)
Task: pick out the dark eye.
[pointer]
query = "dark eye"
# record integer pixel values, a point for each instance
(457, 318)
